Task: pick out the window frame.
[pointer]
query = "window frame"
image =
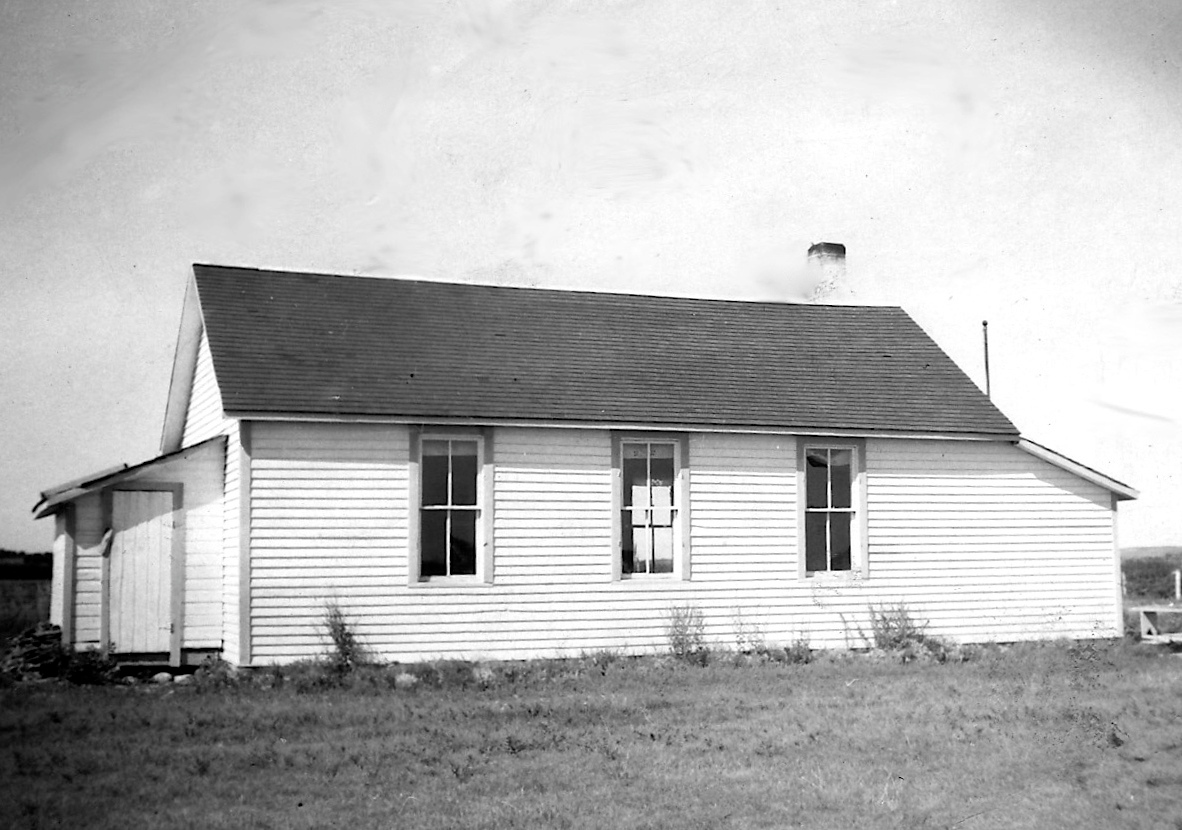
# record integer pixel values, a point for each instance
(484, 506)
(859, 544)
(681, 504)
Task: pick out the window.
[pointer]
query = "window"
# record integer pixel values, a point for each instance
(831, 521)
(450, 523)
(651, 522)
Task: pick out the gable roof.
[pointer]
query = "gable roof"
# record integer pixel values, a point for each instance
(321, 345)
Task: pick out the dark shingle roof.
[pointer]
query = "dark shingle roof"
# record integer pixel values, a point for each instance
(331, 345)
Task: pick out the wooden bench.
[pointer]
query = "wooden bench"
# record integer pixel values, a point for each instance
(1149, 629)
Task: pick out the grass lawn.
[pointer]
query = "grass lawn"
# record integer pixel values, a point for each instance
(1032, 736)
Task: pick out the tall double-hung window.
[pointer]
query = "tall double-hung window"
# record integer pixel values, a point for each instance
(651, 527)
(450, 513)
(831, 514)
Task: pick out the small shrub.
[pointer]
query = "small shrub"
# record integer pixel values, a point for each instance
(895, 632)
(347, 651)
(892, 627)
(686, 630)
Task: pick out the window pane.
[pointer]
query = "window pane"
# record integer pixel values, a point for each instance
(634, 451)
(432, 543)
(434, 476)
(662, 471)
(662, 550)
(463, 473)
(463, 541)
(661, 451)
(662, 516)
(814, 542)
(635, 482)
(431, 447)
(840, 475)
(816, 475)
(641, 550)
(626, 565)
(661, 491)
(839, 541)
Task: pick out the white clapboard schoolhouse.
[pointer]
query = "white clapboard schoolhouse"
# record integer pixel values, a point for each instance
(482, 472)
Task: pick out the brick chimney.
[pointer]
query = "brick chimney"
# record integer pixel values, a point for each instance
(826, 265)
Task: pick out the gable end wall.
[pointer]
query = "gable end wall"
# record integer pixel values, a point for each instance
(203, 414)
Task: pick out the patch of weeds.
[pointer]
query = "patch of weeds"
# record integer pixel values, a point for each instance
(93, 667)
(749, 636)
(894, 631)
(215, 673)
(600, 661)
(798, 651)
(686, 631)
(442, 674)
(304, 676)
(347, 652)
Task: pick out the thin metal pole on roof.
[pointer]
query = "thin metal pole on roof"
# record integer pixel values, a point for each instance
(985, 334)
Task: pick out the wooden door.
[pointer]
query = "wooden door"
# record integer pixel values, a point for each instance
(141, 570)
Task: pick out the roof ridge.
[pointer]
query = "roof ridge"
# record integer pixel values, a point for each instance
(419, 278)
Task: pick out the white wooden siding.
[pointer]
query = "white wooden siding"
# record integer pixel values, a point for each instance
(230, 560)
(742, 509)
(88, 589)
(328, 522)
(205, 418)
(989, 543)
(204, 415)
(201, 474)
(983, 541)
(552, 508)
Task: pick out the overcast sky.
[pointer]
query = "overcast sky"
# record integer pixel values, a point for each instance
(1015, 160)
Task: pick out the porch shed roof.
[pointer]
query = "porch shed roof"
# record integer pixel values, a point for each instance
(54, 498)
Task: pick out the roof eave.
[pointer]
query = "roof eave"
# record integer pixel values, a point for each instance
(55, 498)
(1122, 491)
(184, 363)
(625, 425)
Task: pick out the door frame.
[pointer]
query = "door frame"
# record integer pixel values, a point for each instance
(176, 573)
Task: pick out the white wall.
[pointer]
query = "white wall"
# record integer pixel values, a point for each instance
(982, 540)
(203, 417)
(88, 529)
(201, 475)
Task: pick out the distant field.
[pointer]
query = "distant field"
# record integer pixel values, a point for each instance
(23, 602)
(1032, 736)
(1151, 552)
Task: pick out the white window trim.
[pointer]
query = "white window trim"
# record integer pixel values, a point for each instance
(859, 542)
(681, 502)
(484, 502)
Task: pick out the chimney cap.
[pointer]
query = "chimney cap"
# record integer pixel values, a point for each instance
(834, 249)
